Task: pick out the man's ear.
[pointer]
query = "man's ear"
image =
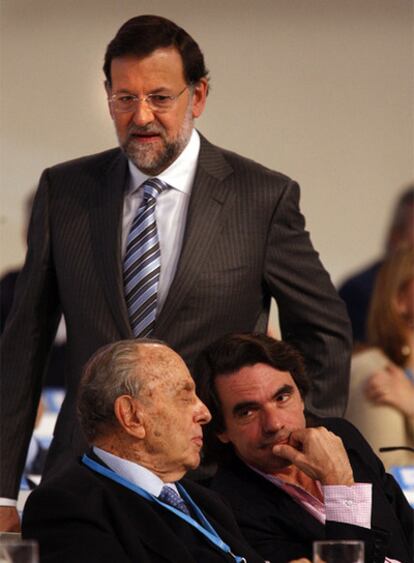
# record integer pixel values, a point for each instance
(130, 415)
(108, 91)
(199, 97)
(223, 437)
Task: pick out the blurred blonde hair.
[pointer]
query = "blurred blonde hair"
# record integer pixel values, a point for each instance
(386, 327)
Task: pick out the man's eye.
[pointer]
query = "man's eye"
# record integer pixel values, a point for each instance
(283, 397)
(159, 99)
(244, 413)
(126, 99)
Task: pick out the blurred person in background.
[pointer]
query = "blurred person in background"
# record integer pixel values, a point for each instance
(356, 291)
(381, 401)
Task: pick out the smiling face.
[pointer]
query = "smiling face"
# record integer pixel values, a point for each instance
(173, 416)
(153, 139)
(260, 406)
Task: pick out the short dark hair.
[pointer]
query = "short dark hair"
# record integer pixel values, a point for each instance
(229, 354)
(142, 35)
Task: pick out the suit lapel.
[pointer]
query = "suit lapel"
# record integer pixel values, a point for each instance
(209, 197)
(106, 204)
(283, 507)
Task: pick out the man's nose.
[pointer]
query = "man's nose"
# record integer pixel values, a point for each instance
(271, 421)
(203, 415)
(143, 114)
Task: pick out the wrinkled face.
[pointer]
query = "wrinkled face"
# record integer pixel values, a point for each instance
(261, 406)
(153, 139)
(174, 416)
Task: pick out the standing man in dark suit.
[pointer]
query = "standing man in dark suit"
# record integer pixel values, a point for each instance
(167, 236)
(125, 501)
(292, 480)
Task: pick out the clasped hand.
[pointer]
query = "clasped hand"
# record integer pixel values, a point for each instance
(320, 454)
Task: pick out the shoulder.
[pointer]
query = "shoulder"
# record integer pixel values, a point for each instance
(351, 437)
(240, 166)
(74, 479)
(235, 476)
(89, 161)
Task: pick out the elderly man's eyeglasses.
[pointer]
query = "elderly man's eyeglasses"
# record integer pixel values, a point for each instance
(124, 102)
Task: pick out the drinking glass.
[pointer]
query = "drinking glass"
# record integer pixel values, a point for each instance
(13, 550)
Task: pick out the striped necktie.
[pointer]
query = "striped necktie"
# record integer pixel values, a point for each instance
(169, 496)
(142, 262)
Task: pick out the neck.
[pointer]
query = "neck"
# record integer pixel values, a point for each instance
(294, 476)
(139, 456)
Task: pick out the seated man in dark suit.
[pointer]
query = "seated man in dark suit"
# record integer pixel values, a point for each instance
(289, 479)
(123, 501)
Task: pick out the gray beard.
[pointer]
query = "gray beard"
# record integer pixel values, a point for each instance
(151, 164)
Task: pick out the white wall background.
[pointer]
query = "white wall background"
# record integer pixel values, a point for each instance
(321, 90)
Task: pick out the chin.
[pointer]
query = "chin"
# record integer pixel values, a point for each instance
(193, 463)
(281, 464)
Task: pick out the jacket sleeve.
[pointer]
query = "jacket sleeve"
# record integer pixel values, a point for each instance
(312, 317)
(69, 528)
(25, 346)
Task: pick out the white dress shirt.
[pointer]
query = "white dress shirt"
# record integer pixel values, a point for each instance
(170, 211)
(136, 474)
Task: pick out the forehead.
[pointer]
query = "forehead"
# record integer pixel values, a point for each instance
(162, 64)
(255, 383)
(173, 380)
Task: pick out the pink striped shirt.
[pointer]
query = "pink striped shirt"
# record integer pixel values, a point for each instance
(348, 505)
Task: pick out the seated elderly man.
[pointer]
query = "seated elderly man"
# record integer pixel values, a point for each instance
(123, 501)
(289, 479)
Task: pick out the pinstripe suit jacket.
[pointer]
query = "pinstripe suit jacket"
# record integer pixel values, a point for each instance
(244, 242)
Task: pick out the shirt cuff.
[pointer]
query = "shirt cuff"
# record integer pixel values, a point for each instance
(7, 502)
(349, 505)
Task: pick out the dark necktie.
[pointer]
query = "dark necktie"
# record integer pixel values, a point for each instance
(169, 496)
(142, 264)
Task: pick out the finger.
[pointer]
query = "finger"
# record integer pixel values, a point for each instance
(286, 451)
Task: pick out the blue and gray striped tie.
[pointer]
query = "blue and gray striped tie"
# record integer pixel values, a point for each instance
(142, 263)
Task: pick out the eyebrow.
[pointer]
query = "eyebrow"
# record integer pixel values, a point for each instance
(286, 388)
(188, 386)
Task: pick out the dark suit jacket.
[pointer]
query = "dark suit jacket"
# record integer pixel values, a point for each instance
(281, 530)
(244, 242)
(80, 516)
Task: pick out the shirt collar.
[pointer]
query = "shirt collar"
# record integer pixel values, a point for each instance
(136, 474)
(179, 175)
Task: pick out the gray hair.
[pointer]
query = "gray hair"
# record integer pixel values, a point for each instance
(112, 371)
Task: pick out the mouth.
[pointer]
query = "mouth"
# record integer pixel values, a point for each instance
(144, 137)
(275, 442)
(198, 440)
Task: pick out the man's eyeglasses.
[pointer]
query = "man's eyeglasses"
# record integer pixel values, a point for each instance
(123, 102)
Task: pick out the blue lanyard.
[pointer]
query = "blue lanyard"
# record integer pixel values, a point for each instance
(206, 529)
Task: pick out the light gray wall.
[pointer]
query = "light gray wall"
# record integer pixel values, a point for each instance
(319, 89)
